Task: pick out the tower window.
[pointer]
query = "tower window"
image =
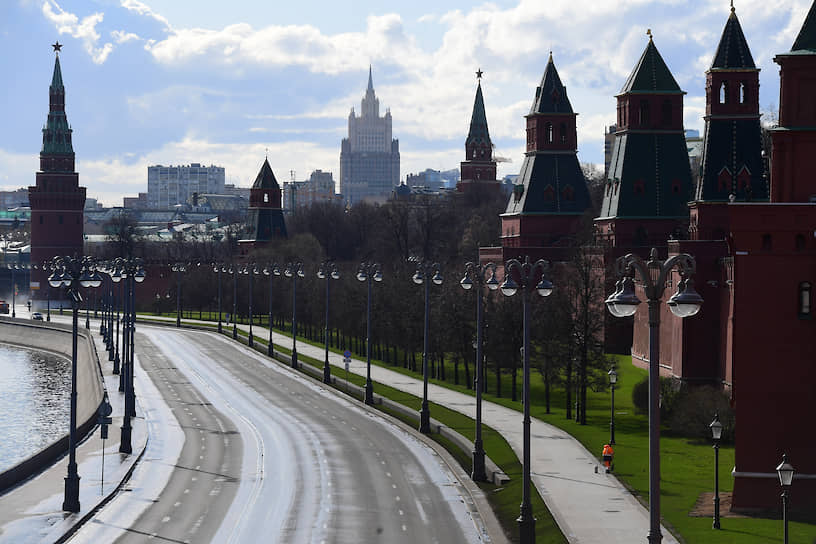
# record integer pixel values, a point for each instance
(804, 300)
(59, 220)
(41, 219)
(724, 92)
(563, 133)
(549, 193)
(743, 92)
(667, 113)
(800, 242)
(266, 197)
(767, 242)
(644, 113)
(549, 133)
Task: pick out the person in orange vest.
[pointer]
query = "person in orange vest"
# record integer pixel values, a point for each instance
(608, 452)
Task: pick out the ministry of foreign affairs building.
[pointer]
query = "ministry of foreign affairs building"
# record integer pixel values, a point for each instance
(369, 157)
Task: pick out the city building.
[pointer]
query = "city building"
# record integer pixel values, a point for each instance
(171, 185)
(320, 187)
(609, 143)
(14, 199)
(265, 217)
(369, 157)
(57, 200)
(479, 167)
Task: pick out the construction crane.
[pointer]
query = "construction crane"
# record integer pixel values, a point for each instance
(499, 158)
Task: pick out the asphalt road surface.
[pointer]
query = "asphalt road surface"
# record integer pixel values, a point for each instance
(245, 450)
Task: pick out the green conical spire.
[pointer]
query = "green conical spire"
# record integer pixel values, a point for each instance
(651, 75)
(57, 131)
(733, 51)
(266, 178)
(806, 41)
(478, 121)
(551, 95)
(56, 80)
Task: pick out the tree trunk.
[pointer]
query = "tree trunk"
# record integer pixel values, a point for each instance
(456, 370)
(513, 386)
(468, 383)
(498, 380)
(569, 388)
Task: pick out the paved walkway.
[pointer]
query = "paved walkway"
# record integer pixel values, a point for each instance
(589, 507)
(32, 512)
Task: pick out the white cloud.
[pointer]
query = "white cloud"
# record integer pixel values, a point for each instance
(142, 9)
(122, 36)
(82, 29)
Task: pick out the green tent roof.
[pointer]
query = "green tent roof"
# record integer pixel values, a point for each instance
(266, 178)
(651, 75)
(551, 95)
(733, 51)
(478, 121)
(806, 41)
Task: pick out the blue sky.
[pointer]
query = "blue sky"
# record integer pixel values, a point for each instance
(221, 82)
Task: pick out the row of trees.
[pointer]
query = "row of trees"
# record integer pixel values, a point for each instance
(566, 327)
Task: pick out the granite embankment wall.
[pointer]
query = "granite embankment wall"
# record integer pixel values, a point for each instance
(56, 338)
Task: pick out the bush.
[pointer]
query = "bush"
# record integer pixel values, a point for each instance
(695, 410)
(670, 392)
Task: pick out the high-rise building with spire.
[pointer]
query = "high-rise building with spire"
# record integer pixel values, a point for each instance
(57, 200)
(369, 157)
(479, 167)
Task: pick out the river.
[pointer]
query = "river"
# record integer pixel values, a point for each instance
(34, 402)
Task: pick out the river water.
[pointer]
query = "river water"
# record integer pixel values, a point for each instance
(34, 402)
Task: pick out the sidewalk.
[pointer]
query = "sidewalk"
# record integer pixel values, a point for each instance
(589, 507)
(32, 512)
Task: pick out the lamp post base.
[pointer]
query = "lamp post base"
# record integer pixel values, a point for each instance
(327, 373)
(369, 393)
(655, 537)
(116, 364)
(425, 419)
(479, 473)
(294, 359)
(71, 500)
(526, 524)
(125, 443)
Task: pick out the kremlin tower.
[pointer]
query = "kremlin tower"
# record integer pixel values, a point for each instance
(57, 201)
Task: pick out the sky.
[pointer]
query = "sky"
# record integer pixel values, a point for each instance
(230, 82)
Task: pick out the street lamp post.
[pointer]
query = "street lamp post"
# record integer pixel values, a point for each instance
(73, 273)
(785, 472)
(530, 276)
(219, 269)
(423, 270)
(716, 433)
(479, 273)
(294, 270)
(13, 267)
(328, 271)
(684, 303)
(369, 272)
(271, 270)
(233, 269)
(132, 272)
(251, 270)
(179, 269)
(613, 379)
